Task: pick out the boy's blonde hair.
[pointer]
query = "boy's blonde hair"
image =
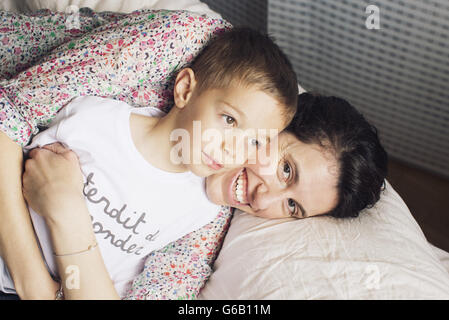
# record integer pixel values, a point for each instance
(246, 57)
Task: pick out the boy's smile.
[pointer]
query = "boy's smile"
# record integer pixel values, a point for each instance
(226, 126)
(210, 130)
(210, 162)
(213, 129)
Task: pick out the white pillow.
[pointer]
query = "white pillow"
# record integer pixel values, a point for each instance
(9, 5)
(124, 6)
(382, 254)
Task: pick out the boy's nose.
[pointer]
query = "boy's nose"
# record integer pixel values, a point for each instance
(234, 151)
(228, 154)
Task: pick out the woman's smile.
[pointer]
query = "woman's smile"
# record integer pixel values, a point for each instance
(239, 188)
(273, 194)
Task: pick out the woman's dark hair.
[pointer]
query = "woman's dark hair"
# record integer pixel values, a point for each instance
(338, 127)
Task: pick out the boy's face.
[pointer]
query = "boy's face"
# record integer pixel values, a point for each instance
(226, 127)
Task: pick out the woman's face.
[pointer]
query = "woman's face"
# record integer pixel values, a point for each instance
(301, 183)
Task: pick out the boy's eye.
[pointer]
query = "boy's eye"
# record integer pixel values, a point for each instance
(228, 119)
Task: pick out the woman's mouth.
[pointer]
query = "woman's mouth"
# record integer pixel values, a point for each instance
(239, 189)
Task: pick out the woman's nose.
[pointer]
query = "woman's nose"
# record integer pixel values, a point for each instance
(265, 197)
(266, 193)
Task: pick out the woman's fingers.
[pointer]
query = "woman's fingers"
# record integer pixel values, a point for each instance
(56, 147)
(52, 151)
(52, 179)
(33, 152)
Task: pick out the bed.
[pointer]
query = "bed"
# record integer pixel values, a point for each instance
(382, 254)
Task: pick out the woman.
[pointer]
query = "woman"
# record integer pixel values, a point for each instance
(329, 161)
(32, 279)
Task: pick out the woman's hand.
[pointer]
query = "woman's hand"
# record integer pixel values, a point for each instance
(53, 182)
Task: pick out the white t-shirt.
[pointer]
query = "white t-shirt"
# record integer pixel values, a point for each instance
(136, 208)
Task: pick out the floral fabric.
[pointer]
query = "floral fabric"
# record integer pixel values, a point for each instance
(130, 57)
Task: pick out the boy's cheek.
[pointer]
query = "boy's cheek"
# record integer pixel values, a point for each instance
(228, 150)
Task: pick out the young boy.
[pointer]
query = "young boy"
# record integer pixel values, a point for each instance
(240, 84)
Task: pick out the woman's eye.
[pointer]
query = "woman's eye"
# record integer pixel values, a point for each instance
(291, 206)
(286, 171)
(228, 119)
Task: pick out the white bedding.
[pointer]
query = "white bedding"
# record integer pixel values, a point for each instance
(442, 255)
(124, 6)
(383, 254)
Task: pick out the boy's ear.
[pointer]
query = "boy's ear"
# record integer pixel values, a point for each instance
(184, 86)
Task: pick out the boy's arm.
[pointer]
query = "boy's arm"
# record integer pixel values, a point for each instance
(83, 273)
(53, 187)
(18, 246)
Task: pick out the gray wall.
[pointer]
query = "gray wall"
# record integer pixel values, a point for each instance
(248, 13)
(397, 76)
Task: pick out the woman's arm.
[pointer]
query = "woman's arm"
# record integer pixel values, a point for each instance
(130, 59)
(35, 95)
(52, 186)
(18, 246)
